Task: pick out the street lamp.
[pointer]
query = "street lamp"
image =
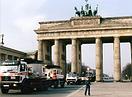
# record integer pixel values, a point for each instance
(1, 39)
(88, 69)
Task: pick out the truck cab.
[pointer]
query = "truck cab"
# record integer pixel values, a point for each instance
(72, 78)
(12, 74)
(19, 75)
(54, 75)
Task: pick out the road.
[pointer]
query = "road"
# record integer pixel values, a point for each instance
(52, 92)
(119, 89)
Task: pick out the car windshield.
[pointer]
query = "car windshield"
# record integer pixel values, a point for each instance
(8, 68)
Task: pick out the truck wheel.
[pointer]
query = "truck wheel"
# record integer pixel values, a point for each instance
(4, 91)
(62, 85)
(26, 90)
(45, 88)
(26, 87)
(68, 83)
(56, 84)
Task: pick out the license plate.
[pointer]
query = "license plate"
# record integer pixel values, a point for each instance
(5, 85)
(13, 77)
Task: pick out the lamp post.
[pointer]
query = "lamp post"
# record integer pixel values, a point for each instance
(88, 69)
(1, 39)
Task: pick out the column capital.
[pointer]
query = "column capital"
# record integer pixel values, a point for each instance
(56, 39)
(116, 36)
(39, 40)
(74, 38)
(98, 37)
(74, 41)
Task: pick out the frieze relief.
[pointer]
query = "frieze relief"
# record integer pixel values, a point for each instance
(117, 20)
(85, 27)
(87, 22)
(81, 34)
(55, 25)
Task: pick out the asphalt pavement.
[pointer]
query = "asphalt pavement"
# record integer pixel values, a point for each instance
(52, 92)
(115, 89)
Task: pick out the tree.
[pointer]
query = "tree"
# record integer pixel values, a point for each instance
(126, 73)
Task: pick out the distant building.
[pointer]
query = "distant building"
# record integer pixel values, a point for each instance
(11, 54)
(32, 55)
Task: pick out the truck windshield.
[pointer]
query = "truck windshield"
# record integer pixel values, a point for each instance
(12, 66)
(72, 75)
(8, 68)
(10, 63)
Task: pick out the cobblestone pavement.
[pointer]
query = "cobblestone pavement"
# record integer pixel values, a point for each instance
(116, 89)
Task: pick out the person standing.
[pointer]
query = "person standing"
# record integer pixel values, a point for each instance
(87, 89)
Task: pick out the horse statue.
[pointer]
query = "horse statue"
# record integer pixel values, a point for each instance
(90, 13)
(78, 13)
(95, 11)
(87, 11)
(82, 11)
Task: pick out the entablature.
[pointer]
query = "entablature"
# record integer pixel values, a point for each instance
(85, 22)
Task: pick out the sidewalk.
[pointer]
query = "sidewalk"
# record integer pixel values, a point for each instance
(106, 90)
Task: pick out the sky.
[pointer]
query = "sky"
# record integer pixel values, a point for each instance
(19, 19)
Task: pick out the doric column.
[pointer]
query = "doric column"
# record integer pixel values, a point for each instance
(47, 52)
(79, 57)
(62, 54)
(56, 52)
(40, 50)
(6, 57)
(99, 60)
(0, 57)
(117, 61)
(131, 59)
(131, 50)
(13, 57)
(74, 56)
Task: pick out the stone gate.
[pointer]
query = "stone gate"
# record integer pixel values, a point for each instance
(84, 30)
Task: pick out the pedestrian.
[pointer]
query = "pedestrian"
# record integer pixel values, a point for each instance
(87, 89)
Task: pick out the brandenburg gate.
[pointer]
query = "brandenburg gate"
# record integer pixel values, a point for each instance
(83, 30)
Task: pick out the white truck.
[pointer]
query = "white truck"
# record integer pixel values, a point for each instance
(54, 75)
(20, 75)
(72, 78)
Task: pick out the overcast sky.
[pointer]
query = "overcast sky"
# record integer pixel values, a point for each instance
(18, 19)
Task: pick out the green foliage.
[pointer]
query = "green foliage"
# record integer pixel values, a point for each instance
(126, 73)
